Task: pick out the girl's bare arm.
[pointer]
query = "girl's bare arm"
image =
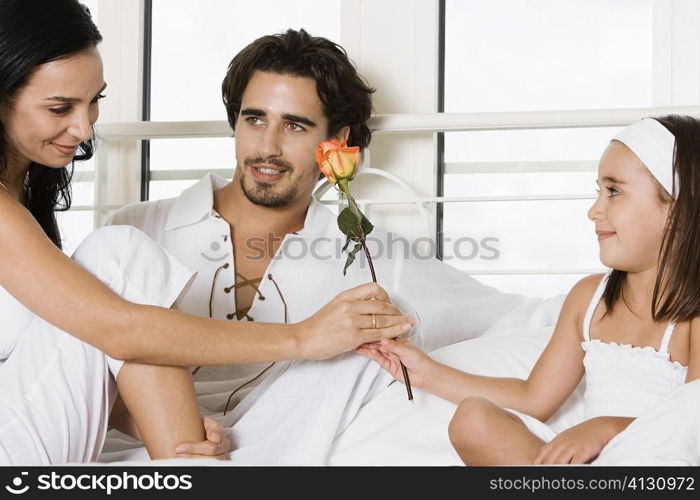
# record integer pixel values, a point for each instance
(555, 375)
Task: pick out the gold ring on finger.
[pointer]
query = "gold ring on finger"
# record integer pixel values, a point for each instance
(374, 321)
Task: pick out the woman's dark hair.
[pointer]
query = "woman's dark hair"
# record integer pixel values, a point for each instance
(32, 33)
(677, 288)
(346, 98)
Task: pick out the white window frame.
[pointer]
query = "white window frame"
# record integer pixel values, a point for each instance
(118, 163)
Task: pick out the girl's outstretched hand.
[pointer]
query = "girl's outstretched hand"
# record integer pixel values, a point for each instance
(581, 443)
(389, 353)
(215, 446)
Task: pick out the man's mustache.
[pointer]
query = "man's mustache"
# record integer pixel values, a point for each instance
(277, 162)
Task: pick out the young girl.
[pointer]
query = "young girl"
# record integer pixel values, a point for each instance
(633, 331)
(60, 316)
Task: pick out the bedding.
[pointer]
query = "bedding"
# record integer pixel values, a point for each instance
(509, 347)
(392, 431)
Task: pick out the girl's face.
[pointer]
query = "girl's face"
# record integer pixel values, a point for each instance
(46, 119)
(628, 214)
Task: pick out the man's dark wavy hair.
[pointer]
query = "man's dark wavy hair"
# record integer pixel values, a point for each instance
(32, 33)
(346, 98)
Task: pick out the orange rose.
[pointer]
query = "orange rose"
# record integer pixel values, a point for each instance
(337, 160)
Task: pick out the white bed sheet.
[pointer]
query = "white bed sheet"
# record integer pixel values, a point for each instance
(390, 430)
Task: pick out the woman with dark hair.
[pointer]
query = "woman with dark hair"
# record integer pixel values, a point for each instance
(57, 385)
(633, 332)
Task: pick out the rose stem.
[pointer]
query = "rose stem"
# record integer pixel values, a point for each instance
(404, 371)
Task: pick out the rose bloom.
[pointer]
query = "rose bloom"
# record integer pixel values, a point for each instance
(337, 160)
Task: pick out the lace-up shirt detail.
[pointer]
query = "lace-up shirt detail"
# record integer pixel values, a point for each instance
(624, 380)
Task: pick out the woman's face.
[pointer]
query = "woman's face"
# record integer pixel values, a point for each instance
(46, 119)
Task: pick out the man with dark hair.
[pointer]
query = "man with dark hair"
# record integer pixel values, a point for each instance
(345, 96)
(265, 250)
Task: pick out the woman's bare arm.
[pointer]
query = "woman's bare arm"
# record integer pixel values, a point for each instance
(57, 289)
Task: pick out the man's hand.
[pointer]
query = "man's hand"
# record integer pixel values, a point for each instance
(581, 443)
(350, 320)
(215, 446)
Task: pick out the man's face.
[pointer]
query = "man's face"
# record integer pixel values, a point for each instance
(277, 131)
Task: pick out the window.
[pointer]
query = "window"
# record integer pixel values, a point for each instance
(192, 45)
(513, 200)
(543, 55)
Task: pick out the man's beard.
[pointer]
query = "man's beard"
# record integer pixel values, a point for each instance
(266, 194)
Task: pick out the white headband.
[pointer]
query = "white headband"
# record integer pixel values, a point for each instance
(654, 145)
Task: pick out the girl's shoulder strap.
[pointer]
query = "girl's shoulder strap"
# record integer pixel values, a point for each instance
(663, 348)
(592, 306)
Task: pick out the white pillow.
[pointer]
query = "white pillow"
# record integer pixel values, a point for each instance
(390, 430)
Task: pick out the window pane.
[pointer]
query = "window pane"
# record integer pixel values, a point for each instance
(186, 154)
(83, 185)
(509, 55)
(187, 160)
(193, 43)
(544, 145)
(527, 235)
(79, 222)
(520, 235)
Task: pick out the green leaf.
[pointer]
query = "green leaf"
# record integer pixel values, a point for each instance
(353, 227)
(366, 225)
(348, 223)
(351, 257)
(353, 224)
